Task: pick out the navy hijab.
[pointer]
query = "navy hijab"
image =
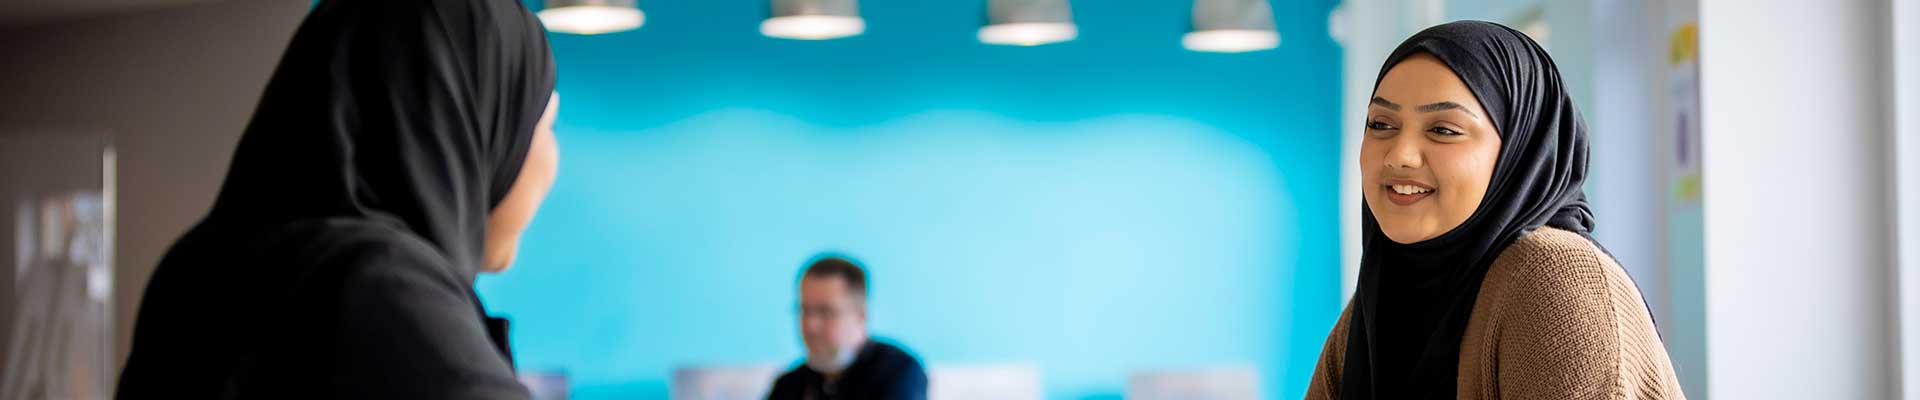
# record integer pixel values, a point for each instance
(1413, 301)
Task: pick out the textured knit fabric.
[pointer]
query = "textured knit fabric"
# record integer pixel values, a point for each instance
(1555, 319)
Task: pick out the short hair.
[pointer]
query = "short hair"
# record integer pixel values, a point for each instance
(839, 267)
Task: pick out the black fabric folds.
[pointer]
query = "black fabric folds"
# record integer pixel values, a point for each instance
(339, 257)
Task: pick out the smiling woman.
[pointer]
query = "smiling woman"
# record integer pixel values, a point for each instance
(1479, 278)
(1410, 154)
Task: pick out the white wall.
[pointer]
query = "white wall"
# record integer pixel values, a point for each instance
(176, 86)
(1905, 47)
(1796, 199)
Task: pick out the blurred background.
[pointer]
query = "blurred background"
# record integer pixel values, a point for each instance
(1149, 199)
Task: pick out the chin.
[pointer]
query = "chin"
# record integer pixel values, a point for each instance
(499, 254)
(496, 264)
(1403, 236)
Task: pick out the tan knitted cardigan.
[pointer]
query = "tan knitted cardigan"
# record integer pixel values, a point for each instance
(1555, 319)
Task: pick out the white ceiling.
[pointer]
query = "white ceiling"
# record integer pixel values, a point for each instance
(26, 12)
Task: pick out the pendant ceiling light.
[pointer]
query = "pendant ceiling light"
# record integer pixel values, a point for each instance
(588, 17)
(1028, 22)
(814, 19)
(1231, 26)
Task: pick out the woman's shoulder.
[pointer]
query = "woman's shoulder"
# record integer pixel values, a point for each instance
(1568, 313)
(1553, 277)
(1553, 246)
(1551, 268)
(1555, 259)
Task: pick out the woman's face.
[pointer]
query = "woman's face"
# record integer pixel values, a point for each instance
(529, 189)
(1428, 152)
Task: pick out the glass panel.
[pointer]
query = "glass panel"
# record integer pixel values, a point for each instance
(56, 301)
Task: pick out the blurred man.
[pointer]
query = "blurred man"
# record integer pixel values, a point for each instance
(843, 363)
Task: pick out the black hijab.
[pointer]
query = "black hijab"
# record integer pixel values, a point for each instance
(339, 257)
(413, 110)
(1413, 301)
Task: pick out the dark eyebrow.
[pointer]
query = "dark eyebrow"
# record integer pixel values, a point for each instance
(1445, 105)
(1384, 103)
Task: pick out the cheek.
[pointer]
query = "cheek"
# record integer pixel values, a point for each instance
(531, 188)
(1371, 158)
(1465, 174)
(546, 165)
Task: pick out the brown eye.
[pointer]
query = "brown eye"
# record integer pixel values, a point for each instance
(1443, 131)
(1378, 126)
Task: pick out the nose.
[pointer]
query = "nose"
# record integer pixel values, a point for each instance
(809, 325)
(1404, 152)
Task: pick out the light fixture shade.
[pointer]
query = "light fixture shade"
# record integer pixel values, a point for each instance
(1231, 26)
(588, 17)
(813, 19)
(1028, 22)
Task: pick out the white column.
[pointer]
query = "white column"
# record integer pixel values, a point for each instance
(1797, 199)
(1905, 50)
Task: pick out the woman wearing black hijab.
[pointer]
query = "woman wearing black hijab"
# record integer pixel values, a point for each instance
(399, 150)
(1479, 278)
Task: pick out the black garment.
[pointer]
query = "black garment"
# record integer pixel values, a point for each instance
(1414, 300)
(339, 258)
(879, 372)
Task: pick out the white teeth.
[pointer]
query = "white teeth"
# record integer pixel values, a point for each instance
(1409, 189)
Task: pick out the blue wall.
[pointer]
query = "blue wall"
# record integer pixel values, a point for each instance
(1095, 207)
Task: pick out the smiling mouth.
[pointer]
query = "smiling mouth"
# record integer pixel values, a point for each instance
(1406, 194)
